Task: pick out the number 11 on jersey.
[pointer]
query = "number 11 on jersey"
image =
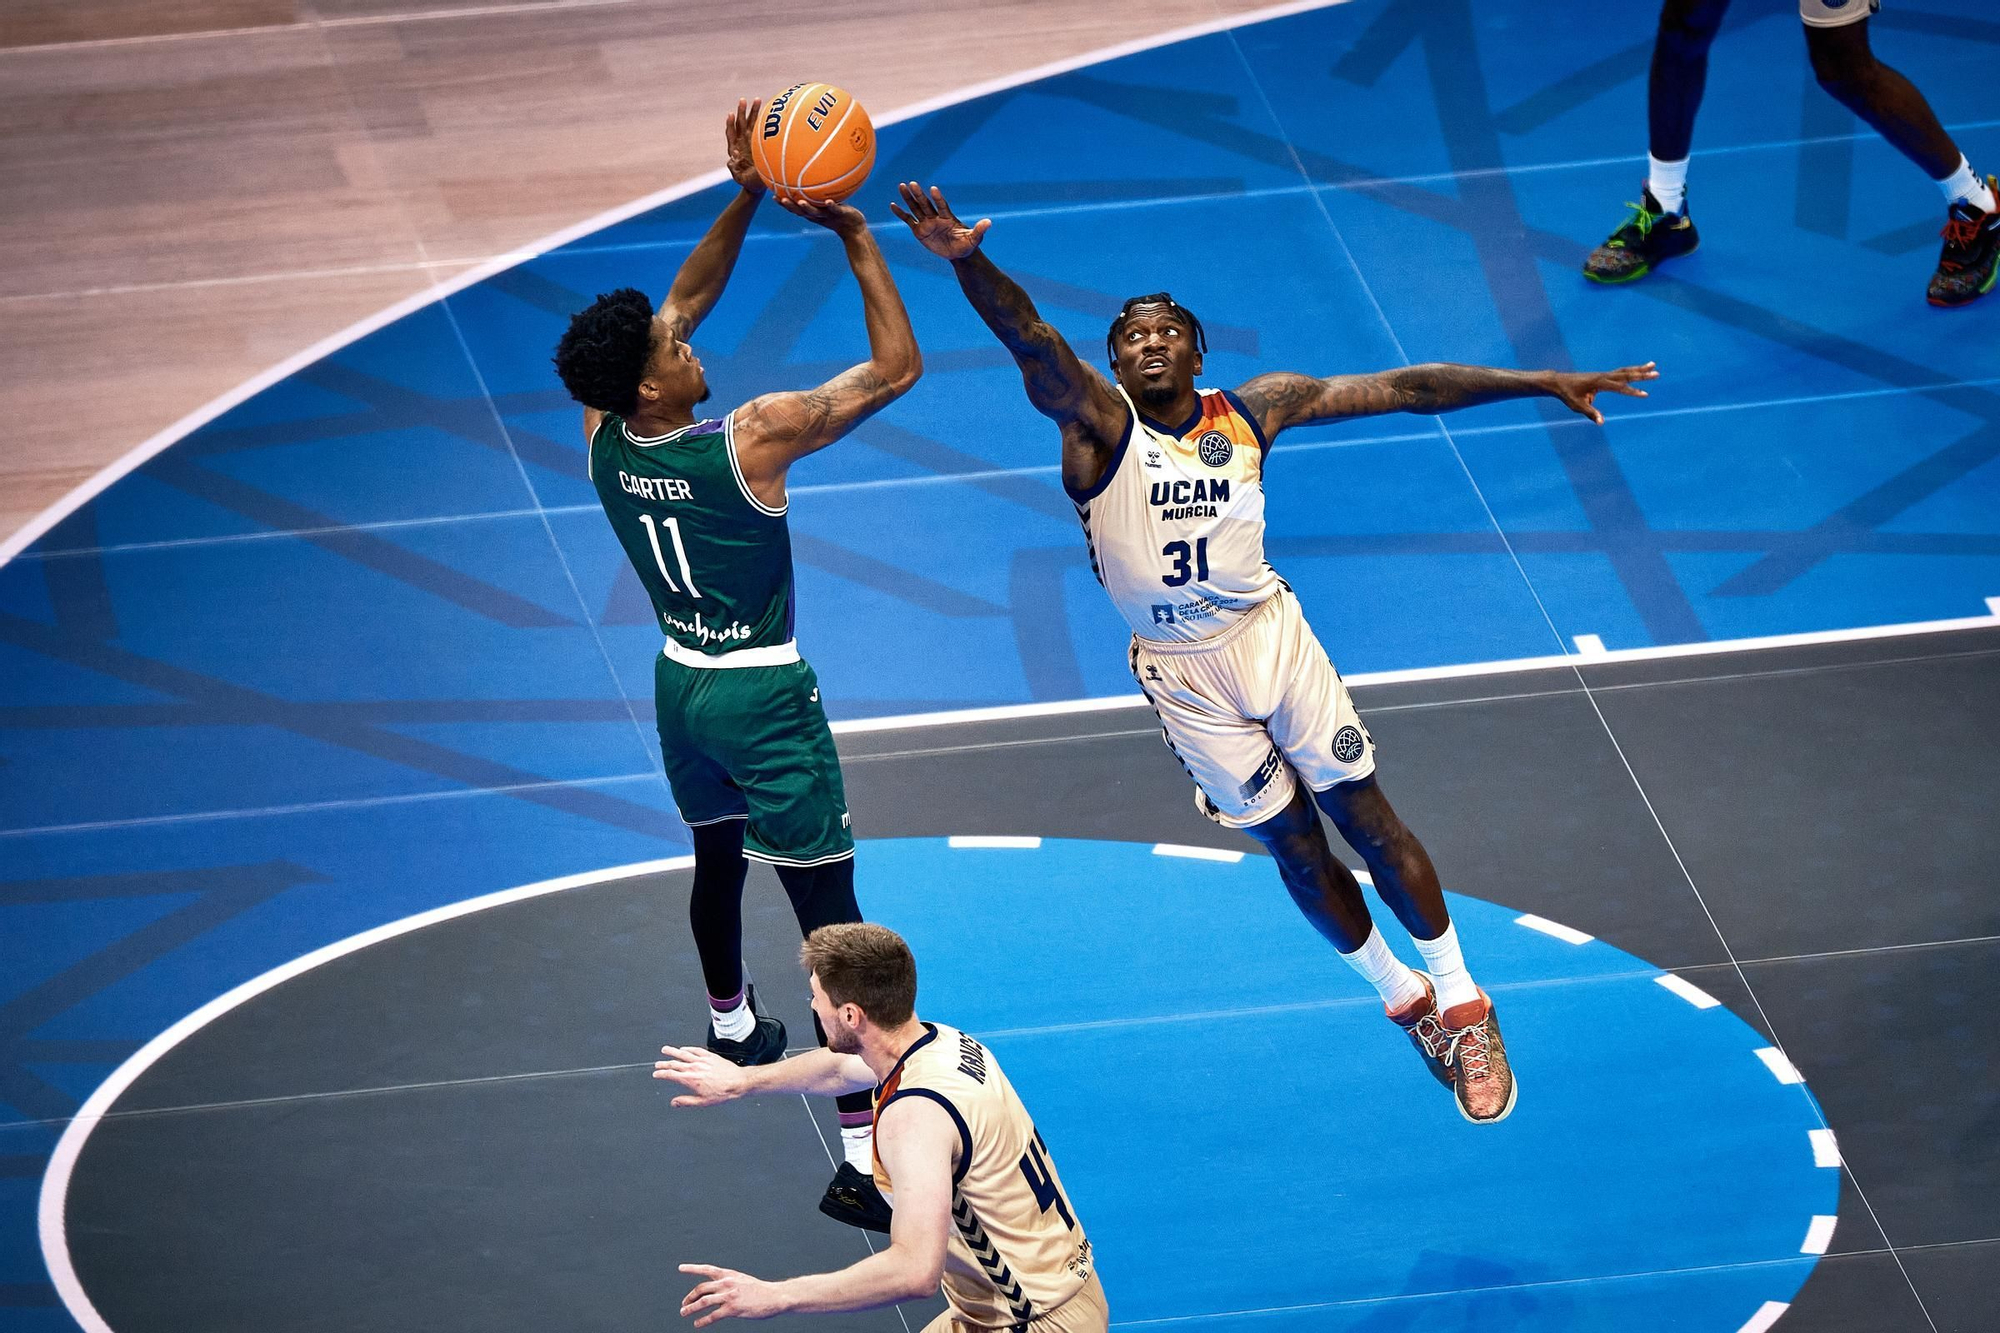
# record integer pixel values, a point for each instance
(673, 527)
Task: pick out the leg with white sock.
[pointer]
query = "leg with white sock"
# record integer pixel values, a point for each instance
(715, 914)
(1404, 878)
(1407, 881)
(823, 896)
(1674, 86)
(1659, 228)
(1848, 69)
(1330, 897)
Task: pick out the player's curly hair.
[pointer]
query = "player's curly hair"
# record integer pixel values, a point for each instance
(603, 353)
(1181, 312)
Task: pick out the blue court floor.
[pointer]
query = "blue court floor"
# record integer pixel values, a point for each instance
(363, 645)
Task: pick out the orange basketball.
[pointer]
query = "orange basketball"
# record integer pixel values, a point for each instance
(814, 141)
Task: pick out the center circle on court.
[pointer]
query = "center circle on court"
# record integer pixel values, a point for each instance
(459, 1103)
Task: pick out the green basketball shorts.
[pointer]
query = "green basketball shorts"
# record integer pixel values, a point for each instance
(752, 743)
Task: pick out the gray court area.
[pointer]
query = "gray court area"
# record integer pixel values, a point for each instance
(455, 1130)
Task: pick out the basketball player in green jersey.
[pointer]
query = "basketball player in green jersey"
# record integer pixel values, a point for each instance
(698, 503)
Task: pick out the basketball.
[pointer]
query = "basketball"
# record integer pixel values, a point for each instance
(816, 142)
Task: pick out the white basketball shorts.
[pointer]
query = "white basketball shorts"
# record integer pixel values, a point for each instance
(1248, 709)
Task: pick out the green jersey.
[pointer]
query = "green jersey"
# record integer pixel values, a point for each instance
(715, 560)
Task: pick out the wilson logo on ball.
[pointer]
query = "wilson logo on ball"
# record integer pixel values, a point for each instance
(816, 143)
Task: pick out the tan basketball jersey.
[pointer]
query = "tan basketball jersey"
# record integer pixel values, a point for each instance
(1176, 523)
(1017, 1251)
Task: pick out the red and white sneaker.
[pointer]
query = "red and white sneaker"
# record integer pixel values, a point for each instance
(1483, 1080)
(1419, 1021)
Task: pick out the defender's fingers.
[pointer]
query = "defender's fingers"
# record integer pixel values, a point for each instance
(907, 218)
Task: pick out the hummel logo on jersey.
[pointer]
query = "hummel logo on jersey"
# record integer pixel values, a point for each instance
(1152, 672)
(1152, 458)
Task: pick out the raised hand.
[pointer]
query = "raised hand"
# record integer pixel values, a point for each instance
(1579, 389)
(842, 218)
(933, 223)
(708, 1077)
(728, 1294)
(738, 132)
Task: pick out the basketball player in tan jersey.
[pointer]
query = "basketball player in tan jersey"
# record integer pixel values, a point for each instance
(978, 1203)
(1247, 698)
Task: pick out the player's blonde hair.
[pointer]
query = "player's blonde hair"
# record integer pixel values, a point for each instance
(863, 964)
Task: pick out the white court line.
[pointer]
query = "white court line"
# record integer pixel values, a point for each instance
(1767, 1314)
(1196, 853)
(1567, 934)
(1589, 645)
(1826, 1152)
(1993, 607)
(1455, 672)
(1781, 1068)
(978, 475)
(975, 840)
(317, 807)
(1819, 1235)
(55, 1181)
(1688, 991)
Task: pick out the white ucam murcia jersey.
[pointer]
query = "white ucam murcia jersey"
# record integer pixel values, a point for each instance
(1176, 523)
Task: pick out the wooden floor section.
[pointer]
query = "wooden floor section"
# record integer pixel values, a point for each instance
(198, 189)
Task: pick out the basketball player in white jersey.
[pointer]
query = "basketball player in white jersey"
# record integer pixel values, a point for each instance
(978, 1204)
(1168, 481)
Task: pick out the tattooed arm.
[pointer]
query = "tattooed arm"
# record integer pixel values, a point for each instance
(777, 430)
(1060, 386)
(1281, 400)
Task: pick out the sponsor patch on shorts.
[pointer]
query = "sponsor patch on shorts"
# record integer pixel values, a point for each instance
(1260, 781)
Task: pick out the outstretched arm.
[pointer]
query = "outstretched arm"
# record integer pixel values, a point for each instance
(1059, 385)
(705, 272)
(917, 1142)
(711, 1080)
(777, 430)
(1280, 400)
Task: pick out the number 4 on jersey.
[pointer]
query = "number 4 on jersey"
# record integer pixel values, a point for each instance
(1035, 1166)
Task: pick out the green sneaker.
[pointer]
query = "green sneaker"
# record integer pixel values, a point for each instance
(1649, 236)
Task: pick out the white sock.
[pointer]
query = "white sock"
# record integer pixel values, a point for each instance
(1668, 181)
(857, 1145)
(736, 1023)
(1967, 184)
(1447, 968)
(1396, 984)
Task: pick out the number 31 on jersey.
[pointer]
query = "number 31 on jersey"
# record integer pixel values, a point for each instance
(1180, 554)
